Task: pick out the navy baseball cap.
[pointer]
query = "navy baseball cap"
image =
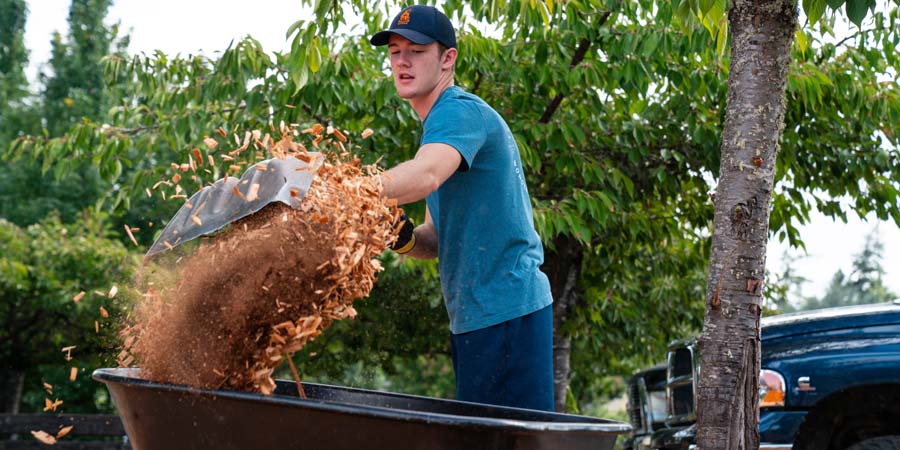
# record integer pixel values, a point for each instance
(420, 24)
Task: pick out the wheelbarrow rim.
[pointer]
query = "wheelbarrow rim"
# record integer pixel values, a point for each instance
(125, 376)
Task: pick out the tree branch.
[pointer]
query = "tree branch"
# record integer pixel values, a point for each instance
(583, 46)
(821, 58)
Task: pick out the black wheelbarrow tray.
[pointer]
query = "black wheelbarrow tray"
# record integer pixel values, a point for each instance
(170, 417)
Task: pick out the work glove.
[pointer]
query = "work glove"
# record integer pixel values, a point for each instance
(406, 239)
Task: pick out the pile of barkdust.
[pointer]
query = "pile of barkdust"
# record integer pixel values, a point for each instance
(250, 297)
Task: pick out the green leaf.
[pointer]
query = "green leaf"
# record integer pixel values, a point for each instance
(300, 77)
(704, 6)
(648, 46)
(802, 41)
(714, 18)
(545, 14)
(664, 14)
(313, 57)
(857, 10)
(722, 36)
(814, 10)
(294, 27)
(835, 4)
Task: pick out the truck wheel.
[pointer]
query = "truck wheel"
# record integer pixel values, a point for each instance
(877, 443)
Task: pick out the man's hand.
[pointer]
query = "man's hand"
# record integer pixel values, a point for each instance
(406, 238)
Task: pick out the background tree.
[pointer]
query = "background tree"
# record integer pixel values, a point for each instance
(864, 285)
(783, 290)
(13, 60)
(43, 268)
(617, 108)
(74, 89)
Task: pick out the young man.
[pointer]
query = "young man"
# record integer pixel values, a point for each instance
(478, 221)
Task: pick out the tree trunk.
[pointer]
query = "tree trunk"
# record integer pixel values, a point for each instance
(563, 267)
(727, 398)
(11, 383)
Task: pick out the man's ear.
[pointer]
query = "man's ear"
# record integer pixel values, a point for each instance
(448, 59)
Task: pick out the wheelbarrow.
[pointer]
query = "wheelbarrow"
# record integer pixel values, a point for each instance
(163, 417)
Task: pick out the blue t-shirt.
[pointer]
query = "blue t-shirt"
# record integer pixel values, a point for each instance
(489, 254)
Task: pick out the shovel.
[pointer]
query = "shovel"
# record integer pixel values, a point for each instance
(284, 180)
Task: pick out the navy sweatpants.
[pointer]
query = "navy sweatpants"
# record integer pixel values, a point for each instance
(508, 364)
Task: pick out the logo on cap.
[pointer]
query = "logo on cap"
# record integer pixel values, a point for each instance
(404, 18)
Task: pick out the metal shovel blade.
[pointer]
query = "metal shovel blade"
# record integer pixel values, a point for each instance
(227, 200)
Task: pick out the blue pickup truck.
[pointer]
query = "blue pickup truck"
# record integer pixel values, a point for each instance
(830, 380)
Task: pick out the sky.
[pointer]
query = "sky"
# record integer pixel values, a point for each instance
(207, 27)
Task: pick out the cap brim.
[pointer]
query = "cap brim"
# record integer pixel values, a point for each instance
(382, 37)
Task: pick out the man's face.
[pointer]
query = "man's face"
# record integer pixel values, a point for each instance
(416, 68)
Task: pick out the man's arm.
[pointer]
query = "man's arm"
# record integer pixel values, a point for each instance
(426, 239)
(413, 180)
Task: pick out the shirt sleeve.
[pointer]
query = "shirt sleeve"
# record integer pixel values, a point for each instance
(459, 125)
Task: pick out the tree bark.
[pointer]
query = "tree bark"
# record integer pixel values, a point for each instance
(727, 398)
(563, 267)
(11, 383)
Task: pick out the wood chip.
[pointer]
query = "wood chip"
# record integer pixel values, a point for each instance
(44, 437)
(113, 291)
(238, 192)
(176, 178)
(166, 182)
(210, 143)
(51, 405)
(68, 352)
(339, 135)
(48, 387)
(77, 298)
(96, 327)
(73, 373)
(198, 156)
(64, 431)
(196, 220)
(367, 132)
(131, 235)
(103, 312)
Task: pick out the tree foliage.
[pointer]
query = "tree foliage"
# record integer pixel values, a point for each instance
(617, 108)
(75, 89)
(863, 285)
(43, 268)
(13, 60)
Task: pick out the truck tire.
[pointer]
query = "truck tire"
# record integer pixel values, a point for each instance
(855, 417)
(877, 443)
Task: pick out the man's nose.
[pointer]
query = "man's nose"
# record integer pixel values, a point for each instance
(402, 60)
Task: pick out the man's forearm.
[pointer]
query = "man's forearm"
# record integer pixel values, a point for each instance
(408, 183)
(415, 179)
